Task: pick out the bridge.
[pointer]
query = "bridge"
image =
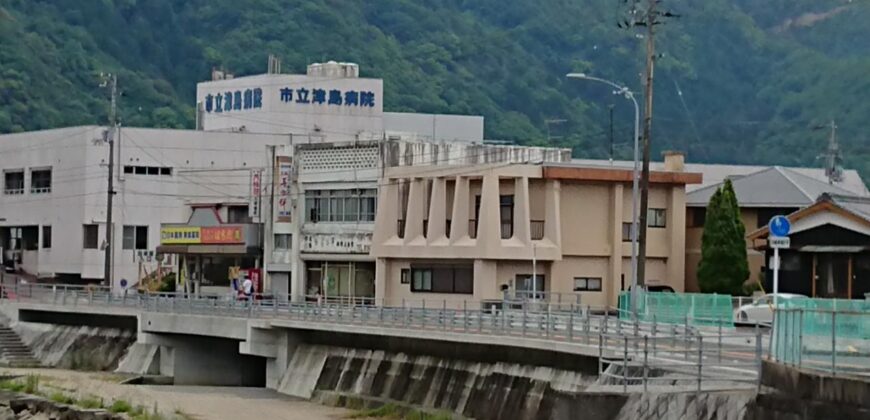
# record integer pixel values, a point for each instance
(217, 340)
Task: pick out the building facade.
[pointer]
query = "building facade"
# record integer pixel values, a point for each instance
(318, 241)
(490, 232)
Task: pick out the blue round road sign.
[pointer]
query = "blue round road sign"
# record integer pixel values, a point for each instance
(123, 282)
(779, 226)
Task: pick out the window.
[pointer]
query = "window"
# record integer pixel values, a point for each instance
(14, 182)
(238, 214)
(148, 170)
(626, 231)
(90, 234)
(282, 241)
(443, 279)
(46, 237)
(528, 287)
(135, 237)
(406, 276)
(697, 216)
(341, 205)
(40, 181)
(587, 284)
(506, 214)
(656, 218)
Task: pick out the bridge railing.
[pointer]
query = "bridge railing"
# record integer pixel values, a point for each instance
(621, 342)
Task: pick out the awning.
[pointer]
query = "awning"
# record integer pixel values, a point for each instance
(208, 249)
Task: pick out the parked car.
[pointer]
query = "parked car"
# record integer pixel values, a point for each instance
(760, 311)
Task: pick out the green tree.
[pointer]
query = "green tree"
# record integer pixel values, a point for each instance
(723, 267)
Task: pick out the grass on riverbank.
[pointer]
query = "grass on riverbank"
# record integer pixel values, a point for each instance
(395, 412)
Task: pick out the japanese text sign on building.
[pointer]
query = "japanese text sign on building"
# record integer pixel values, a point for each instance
(330, 97)
(234, 100)
(222, 235)
(255, 200)
(285, 169)
(179, 235)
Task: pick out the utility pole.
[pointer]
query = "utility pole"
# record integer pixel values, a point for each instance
(832, 155)
(110, 81)
(611, 135)
(648, 18)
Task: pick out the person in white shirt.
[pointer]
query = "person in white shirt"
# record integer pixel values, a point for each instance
(247, 288)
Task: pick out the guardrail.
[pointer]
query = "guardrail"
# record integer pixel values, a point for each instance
(834, 341)
(638, 347)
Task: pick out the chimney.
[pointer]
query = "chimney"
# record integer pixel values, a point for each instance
(674, 161)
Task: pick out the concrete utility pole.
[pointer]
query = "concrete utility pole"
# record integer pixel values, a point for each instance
(111, 81)
(649, 18)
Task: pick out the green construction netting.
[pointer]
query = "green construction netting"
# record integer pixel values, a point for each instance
(816, 317)
(679, 308)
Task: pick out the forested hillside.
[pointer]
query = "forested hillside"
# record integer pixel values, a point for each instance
(755, 77)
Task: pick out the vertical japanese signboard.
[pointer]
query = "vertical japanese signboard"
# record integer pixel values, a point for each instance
(283, 202)
(255, 200)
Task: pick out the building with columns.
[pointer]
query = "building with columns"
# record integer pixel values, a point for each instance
(459, 233)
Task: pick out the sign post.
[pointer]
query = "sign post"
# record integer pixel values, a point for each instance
(779, 228)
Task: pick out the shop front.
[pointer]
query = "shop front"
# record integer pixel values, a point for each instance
(213, 257)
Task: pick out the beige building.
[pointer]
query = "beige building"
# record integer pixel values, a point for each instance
(476, 233)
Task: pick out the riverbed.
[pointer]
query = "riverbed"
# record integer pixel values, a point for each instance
(191, 402)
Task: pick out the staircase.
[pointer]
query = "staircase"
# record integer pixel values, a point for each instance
(13, 352)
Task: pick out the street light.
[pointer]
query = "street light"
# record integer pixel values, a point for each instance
(625, 92)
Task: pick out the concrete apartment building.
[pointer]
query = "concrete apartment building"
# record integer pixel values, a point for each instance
(473, 233)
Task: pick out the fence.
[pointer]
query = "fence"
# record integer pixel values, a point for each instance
(823, 334)
(648, 354)
(680, 308)
(690, 364)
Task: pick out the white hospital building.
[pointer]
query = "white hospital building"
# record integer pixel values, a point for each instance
(280, 176)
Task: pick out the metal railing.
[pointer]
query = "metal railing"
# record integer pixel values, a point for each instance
(835, 341)
(648, 353)
(693, 363)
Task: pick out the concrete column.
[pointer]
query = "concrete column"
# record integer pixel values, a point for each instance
(522, 214)
(437, 211)
(676, 222)
(485, 280)
(553, 212)
(416, 209)
(381, 277)
(461, 210)
(611, 287)
(489, 225)
(387, 216)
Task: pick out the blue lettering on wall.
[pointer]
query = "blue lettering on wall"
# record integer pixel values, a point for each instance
(334, 97)
(249, 98)
(302, 96)
(367, 99)
(258, 98)
(237, 100)
(351, 97)
(228, 101)
(253, 98)
(318, 96)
